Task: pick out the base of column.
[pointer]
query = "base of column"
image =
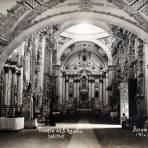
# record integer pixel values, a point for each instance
(11, 123)
(31, 124)
(146, 123)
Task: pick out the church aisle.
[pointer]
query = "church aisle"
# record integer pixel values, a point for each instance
(85, 140)
(92, 136)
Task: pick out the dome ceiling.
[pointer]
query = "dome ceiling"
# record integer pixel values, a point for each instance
(84, 55)
(84, 28)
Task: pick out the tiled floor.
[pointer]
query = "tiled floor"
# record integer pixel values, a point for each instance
(74, 135)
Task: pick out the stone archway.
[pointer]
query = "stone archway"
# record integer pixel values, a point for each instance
(60, 17)
(76, 21)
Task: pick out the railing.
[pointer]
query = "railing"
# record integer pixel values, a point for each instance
(11, 111)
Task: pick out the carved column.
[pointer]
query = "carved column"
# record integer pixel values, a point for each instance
(97, 88)
(1, 92)
(6, 70)
(110, 75)
(67, 88)
(93, 88)
(31, 108)
(63, 88)
(78, 90)
(9, 87)
(16, 87)
(60, 88)
(146, 78)
(41, 44)
(51, 62)
(90, 96)
(13, 86)
(107, 95)
(100, 90)
(140, 81)
(75, 89)
(19, 88)
(104, 90)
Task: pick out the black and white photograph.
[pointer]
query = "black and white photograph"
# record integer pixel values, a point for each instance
(73, 73)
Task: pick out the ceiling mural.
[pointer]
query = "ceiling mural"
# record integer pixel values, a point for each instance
(138, 9)
(27, 17)
(27, 10)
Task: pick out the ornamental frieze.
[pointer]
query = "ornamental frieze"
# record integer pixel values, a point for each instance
(36, 7)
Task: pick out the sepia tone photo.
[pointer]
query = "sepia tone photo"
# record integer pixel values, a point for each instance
(73, 73)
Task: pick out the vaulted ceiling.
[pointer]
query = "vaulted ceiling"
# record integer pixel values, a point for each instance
(26, 17)
(33, 11)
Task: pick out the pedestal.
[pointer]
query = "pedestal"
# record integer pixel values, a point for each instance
(11, 123)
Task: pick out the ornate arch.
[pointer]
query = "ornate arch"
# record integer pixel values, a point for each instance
(97, 42)
(105, 14)
(76, 21)
(100, 57)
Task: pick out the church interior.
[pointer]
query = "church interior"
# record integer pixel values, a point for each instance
(69, 61)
